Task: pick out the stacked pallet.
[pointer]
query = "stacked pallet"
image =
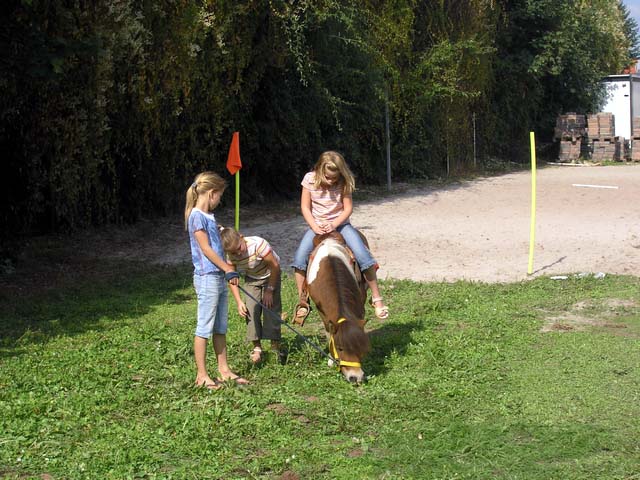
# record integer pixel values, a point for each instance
(570, 131)
(569, 126)
(603, 143)
(635, 139)
(593, 126)
(606, 149)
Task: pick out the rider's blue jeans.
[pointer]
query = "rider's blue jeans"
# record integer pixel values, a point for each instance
(351, 236)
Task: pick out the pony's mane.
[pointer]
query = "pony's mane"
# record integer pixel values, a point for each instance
(344, 282)
(349, 335)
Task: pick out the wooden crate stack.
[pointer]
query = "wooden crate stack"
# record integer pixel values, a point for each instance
(570, 131)
(635, 139)
(603, 143)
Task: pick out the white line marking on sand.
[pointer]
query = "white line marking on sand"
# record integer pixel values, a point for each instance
(593, 186)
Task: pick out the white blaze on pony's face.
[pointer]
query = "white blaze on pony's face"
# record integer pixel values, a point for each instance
(353, 374)
(329, 248)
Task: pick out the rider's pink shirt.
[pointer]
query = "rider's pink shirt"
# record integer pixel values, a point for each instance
(326, 203)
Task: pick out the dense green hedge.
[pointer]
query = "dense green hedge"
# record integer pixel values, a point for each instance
(108, 108)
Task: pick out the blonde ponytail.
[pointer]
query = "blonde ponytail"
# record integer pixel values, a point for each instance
(203, 183)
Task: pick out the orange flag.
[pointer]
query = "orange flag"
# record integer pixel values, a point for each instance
(233, 161)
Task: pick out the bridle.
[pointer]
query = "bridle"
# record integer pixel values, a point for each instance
(334, 351)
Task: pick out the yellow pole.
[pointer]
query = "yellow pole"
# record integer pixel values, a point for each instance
(532, 233)
(237, 201)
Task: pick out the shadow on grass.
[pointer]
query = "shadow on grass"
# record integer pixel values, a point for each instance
(313, 343)
(385, 340)
(121, 291)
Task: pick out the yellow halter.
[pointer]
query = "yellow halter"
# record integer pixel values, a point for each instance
(334, 351)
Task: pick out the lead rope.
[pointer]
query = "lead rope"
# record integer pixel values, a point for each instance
(336, 360)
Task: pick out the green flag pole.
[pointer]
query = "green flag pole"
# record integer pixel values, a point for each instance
(237, 201)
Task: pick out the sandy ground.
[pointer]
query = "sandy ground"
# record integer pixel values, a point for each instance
(476, 230)
(480, 230)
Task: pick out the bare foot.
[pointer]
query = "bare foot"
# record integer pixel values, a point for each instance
(209, 383)
(236, 378)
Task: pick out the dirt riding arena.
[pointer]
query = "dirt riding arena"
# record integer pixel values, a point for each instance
(587, 220)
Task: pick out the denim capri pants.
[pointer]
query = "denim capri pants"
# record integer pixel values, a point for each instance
(351, 236)
(213, 304)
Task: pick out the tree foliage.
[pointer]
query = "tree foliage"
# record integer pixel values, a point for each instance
(630, 31)
(110, 107)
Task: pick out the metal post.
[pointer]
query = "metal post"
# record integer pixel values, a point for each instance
(388, 136)
(474, 141)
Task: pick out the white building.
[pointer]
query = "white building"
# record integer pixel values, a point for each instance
(623, 100)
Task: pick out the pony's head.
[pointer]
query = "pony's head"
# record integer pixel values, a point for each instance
(350, 344)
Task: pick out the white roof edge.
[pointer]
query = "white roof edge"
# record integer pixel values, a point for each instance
(623, 76)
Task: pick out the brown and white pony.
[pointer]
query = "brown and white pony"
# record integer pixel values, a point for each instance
(339, 290)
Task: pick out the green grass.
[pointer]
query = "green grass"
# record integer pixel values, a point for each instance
(96, 382)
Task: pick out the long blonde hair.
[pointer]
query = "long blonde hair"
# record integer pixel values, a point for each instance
(203, 183)
(333, 162)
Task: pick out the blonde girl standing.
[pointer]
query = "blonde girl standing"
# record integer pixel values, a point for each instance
(326, 203)
(209, 276)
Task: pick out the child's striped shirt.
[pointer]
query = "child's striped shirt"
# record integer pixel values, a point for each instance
(251, 263)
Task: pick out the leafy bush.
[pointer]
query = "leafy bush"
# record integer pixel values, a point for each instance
(108, 109)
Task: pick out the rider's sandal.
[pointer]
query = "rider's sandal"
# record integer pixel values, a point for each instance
(381, 312)
(256, 355)
(302, 311)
